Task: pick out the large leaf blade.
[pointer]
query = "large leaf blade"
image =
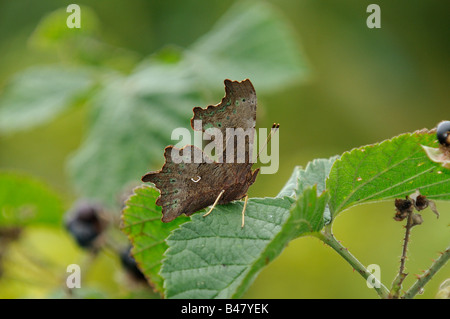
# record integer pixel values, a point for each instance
(209, 257)
(214, 258)
(391, 169)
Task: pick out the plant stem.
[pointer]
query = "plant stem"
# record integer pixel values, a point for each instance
(330, 240)
(397, 283)
(426, 277)
(405, 244)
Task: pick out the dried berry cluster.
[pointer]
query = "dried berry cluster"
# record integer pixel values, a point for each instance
(405, 207)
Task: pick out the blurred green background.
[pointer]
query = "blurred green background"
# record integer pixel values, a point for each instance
(355, 86)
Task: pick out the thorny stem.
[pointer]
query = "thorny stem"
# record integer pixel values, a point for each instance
(328, 238)
(426, 277)
(405, 244)
(397, 283)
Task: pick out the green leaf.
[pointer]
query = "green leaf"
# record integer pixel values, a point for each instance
(214, 257)
(141, 221)
(391, 169)
(305, 218)
(211, 257)
(128, 136)
(252, 40)
(38, 94)
(291, 188)
(24, 200)
(316, 173)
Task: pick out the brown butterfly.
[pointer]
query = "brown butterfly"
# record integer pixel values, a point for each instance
(187, 187)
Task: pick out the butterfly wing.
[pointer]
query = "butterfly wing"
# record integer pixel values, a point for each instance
(188, 187)
(237, 113)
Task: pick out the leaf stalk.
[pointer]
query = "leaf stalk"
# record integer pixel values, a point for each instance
(328, 238)
(426, 277)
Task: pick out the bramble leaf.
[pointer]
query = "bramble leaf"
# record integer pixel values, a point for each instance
(316, 173)
(214, 257)
(24, 200)
(391, 169)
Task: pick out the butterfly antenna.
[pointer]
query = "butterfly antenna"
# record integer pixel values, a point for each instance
(215, 203)
(273, 130)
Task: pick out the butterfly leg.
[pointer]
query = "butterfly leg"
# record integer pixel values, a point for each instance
(243, 210)
(215, 203)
